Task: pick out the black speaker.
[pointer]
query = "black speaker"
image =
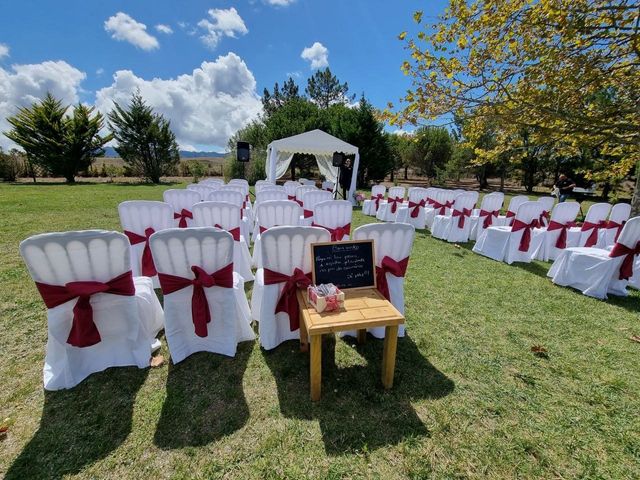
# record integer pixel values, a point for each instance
(338, 159)
(243, 150)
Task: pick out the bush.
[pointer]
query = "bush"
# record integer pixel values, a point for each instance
(11, 165)
(233, 168)
(256, 171)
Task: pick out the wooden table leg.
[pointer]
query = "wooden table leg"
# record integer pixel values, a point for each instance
(304, 340)
(389, 355)
(315, 370)
(362, 336)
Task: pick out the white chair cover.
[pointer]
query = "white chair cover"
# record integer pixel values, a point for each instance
(393, 240)
(417, 202)
(592, 270)
(274, 213)
(300, 191)
(181, 200)
(444, 198)
(369, 206)
(283, 250)
(212, 182)
(490, 203)
(514, 204)
(136, 216)
(239, 181)
(226, 216)
(234, 196)
(290, 187)
(309, 201)
(596, 215)
(447, 227)
(385, 213)
(547, 207)
(563, 213)
(176, 251)
(619, 215)
(265, 195)
(260, 184)
(335, 216)
(503, 245)
(304, 181)
(203, 190)
(328, 186)
(127, 324)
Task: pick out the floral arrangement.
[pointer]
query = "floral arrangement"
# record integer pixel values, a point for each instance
(359, 197)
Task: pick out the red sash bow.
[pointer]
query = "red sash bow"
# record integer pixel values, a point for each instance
(442, 206)
(235, 232)
(337, 233)
(299, 202)
(462, 214)
(200, 314)
(262, 229)
(291, 197)
(626, 269)
(395, 268)
(183, 215)
(594, 227)
(376, 199)
(84, 332)
(525, 241)
(544, 218)
(288, 301)
(619, 226)
(307, 213)
(488, 217)
(562, 238)
(416, 207)
(148, 267)
(394, 203)
(430, 201)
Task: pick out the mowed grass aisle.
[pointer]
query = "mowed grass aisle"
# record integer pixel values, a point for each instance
(470, 398)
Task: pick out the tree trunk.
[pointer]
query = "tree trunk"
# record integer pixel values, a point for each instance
(635, 200)
(606, 190)
(406, 173)
(502, 175)
(392, 173)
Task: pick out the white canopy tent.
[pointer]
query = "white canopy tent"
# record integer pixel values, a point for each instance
(317, 143)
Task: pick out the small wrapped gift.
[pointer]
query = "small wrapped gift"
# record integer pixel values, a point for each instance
(325, 297)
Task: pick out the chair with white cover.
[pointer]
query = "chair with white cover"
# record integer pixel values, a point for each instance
(388, 211)
(203, 190)
(243, 187)
(140, 219)
(554, 235)
(300, 191)
(98, 314)
(328, 186)
(587, 234)
(597, 272)
(442, 204)
(226, 216)
(514, 204)
(309, 201)
(238, 181)
(260, 184)
(413, 211)
(204, 302)
(291, 186)
(514, 243)
(265, 196)
(482, 218)
(307, 182)
(182, 201)
(212, 182)
(547, 206)
(619, 215)
(393, 243)
(273, 213)
(270, 188)
(455, 228)
(235, 197)
(286, 257)
(371, 205)
(335, 217)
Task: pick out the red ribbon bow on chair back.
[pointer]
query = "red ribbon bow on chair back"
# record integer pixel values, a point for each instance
(594, 227)
(200, 313)
(337, 233)
(307, 213)
(443, 206)
(395, 268)
(488, 217)
(394, 203)
(84, 332)
(292, 197)
(148, 267)
(183, 215)
(376, 199)
(544, 218)
(430, 201)
(619, 226)
(462, 215)
(299, 202)
(525, 241)
(626, 269)
(235, 232)
(416, 207)
(561, 242)
(262, 229)
(288, 301)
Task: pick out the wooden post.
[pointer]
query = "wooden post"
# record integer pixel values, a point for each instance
(389, 355)
(362, 336)
(304, 338)
(315, 367)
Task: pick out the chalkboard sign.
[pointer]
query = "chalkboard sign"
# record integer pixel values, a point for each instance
(345, 264)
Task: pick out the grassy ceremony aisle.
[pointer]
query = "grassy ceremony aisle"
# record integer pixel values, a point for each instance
(470, 398)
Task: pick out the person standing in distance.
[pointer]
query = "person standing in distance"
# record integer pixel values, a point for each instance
(565, 186)
(346, 171)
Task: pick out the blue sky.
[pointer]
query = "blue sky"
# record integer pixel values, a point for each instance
(97, 52)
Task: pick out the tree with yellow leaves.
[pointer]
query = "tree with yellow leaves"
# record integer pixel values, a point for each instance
(568, 71)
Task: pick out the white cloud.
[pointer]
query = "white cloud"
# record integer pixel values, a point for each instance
(205, 107)
(23, 85)
(226, 23)
(4, 50)
(99, 71)
(124, 28)
(317, 54)
(166, 29)
(280, 3)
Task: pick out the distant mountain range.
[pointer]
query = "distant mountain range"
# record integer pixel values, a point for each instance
(110, 152)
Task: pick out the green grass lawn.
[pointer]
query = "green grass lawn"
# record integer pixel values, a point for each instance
(470, 398)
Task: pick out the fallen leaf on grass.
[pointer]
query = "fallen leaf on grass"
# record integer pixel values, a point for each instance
(635, 338)
(157, 361)
(540, 351)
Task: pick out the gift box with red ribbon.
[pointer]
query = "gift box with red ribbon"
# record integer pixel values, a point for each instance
(325, 298)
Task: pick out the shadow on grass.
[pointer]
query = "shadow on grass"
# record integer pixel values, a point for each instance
(355, 413)
(81, 425)
(205, 400)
